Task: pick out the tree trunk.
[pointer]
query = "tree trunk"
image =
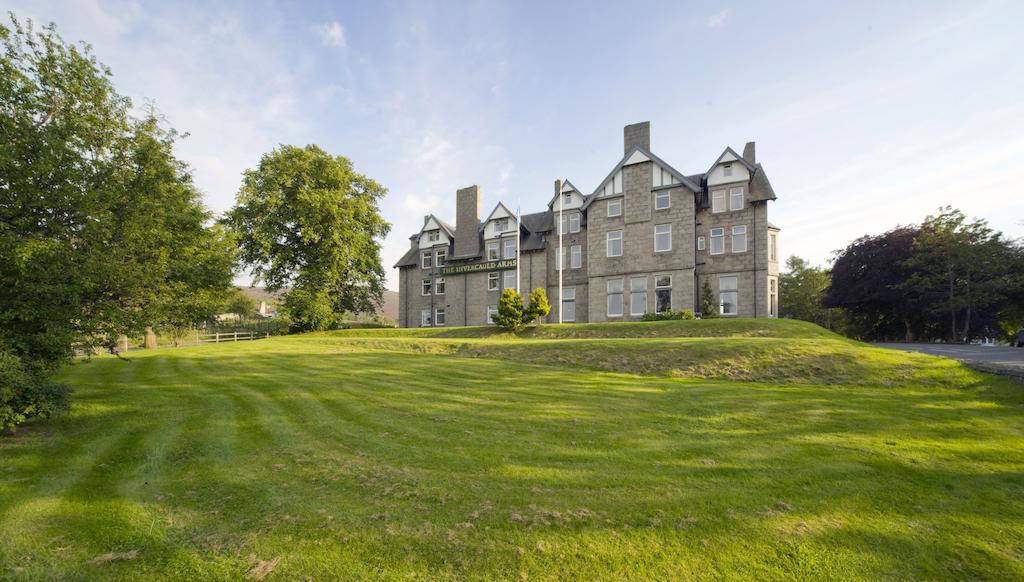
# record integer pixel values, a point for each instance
(952, 307)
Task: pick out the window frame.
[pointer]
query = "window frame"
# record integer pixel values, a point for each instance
(501, 224)
(609, 293)
(733, 291)
(617, 201)
(701, 244)
(732, 239)
(668, 199)
(559, 259)
(669, 234)
(505, 246)
(568, 296)
(440, 317)
(491, 309)
(433, 235)
(505, 277)
(495, 278)
(426, 287)
(608, 243)
(723, 195)
(440, 257)
(576, 256)
(578, 220)
(493, 245)
(439, 285)
(711, 241)
(428, 322)
(427, 259)
(641, 293)
(727, 170)
(742, 198)
(658, 289)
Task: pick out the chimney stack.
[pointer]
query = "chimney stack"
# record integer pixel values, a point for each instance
(748, 153)
(636, 135)
(558, 187)
(467, 221)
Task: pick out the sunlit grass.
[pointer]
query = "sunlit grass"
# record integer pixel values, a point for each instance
(335, 456)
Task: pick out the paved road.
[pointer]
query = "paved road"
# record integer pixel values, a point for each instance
(1001, 355)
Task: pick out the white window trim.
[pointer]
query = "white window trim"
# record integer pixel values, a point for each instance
(618, 204)
(668, 196)
(578, 221)
(700, 243)
(669, 249)
(489, 312)
(426, 260)
(712, 237)
(504, 276)
(608, 243)
(496, 244)
(437, 287)
(496, 279)
(733, 239)
(424, 291)
(504, 246)
(662, 288)
(437, 320)
(727, 170)
(743, 199)
(736, 290)
(569, 296)
(632, 292)
(429, 322)
(559, 258)
(573, 254)
(438, 260)
(622, 298)
(725, 200)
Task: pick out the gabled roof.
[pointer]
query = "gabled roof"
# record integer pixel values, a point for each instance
(483, 223)
(447, 228)
(567, 186)
(628, 159)
(750, 167)
(760, 187)
(409, 259)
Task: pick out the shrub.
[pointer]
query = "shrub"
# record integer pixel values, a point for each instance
(309, 310)
(670, 315)
(539, 306)
(708, 305)
(26, 392)
(510, 311)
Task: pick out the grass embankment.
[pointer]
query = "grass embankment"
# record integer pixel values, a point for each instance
(314, 457)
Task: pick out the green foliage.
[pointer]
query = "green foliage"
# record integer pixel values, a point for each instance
(511, 313)
(708, 304)
(103, 232)
(307, 448)
(306, 220)
(801, 290)
(538, 306)
(27, 392)
(949, 278)
(669, 315)
(309, 310)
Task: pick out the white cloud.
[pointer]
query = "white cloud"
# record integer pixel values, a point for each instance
(719, 19)
(331, 34)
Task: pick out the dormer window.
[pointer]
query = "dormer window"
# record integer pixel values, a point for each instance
(434, 236)
(501, 224)
(727, 170)
(567, 199)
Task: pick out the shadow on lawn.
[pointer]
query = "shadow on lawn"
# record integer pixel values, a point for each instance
(227, 449)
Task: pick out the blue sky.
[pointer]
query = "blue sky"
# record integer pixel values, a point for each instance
(866, 115)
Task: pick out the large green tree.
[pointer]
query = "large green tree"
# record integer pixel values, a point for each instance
(801, 289)
(306, 220)
(964, 272)
(101, 229)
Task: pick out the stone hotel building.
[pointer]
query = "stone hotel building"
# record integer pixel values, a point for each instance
(645, 240)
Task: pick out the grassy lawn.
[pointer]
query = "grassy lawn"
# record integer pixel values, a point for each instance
(575, 452)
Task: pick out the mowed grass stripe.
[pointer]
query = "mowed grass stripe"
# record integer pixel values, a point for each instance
(354, 462)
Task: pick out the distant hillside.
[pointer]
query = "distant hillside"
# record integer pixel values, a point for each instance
(388, 310)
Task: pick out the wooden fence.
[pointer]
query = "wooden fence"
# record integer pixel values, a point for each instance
(236, 336)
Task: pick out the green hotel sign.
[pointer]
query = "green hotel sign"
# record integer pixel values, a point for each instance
(475, 267)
